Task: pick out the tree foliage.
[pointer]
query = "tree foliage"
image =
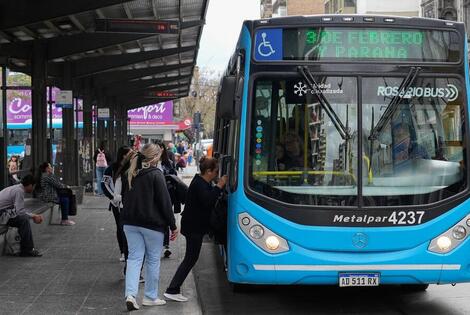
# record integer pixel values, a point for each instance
(202, 97)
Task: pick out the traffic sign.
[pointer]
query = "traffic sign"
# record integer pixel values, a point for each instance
(103, 114)
(64, 99)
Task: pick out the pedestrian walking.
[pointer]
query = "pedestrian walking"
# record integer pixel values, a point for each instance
(168, 168)
(112, 188)
(195, 222)
(102, 158)
(146, 214)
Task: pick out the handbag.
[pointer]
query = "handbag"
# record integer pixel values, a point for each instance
(72, 205)
(13, 242)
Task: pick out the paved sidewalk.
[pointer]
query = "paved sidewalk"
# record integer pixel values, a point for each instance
(80, 272)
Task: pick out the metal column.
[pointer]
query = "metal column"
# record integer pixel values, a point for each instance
(100, 129)
(4, 133)
(69, 150)
(110, 129)
(39, 105)
(86, 144)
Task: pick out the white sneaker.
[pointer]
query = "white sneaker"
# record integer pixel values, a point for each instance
(156, 302)
(122, 258)
(176, 297)
(131, 303)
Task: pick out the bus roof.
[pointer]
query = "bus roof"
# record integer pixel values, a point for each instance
(356, 19)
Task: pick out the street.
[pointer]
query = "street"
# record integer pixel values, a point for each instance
(217, 296)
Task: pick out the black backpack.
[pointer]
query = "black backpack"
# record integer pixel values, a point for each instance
(218, 220)
(177, 189)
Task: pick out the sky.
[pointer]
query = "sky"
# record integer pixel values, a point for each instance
(220, 34)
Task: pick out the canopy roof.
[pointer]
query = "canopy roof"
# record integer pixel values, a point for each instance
(125, 65)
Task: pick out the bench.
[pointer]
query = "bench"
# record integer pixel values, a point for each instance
(36, 206)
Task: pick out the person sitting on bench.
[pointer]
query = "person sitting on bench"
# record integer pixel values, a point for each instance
(13, 212)
(50, 191)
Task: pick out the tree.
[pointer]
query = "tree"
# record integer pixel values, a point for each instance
(202, 97)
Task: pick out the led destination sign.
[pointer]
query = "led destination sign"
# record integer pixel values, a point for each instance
(340, 43)
(382, 44)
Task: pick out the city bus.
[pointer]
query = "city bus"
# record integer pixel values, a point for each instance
(344, 138)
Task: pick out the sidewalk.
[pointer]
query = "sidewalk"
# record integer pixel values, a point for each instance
(80, 272)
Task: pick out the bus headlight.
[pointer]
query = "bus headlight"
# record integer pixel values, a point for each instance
(444, 243)
(272, 242)
(451, 238)
(459, 232)
(261, 236)
(256, 232)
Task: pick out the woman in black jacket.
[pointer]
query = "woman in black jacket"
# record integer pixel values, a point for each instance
(146, 214)
(195, 222)
(111, 185)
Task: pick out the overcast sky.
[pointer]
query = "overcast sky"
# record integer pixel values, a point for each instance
(220, 34)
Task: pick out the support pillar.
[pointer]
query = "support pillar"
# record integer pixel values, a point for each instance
(69, 150)
(125, 126)
(110, 130)
(100, 128)
(39, 105)
(86, 144)
(3, 131)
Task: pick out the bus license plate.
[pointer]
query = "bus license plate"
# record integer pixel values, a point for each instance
(359, 279)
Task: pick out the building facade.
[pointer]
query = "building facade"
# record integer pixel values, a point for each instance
(453, 10)
(277, 8)
(374, 7)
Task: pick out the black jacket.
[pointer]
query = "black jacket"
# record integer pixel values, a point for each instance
(200, 201)
(148, 203)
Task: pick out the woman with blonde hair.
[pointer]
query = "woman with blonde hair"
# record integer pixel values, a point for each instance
(147, 212)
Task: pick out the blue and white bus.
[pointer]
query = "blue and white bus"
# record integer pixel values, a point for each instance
(345, 140)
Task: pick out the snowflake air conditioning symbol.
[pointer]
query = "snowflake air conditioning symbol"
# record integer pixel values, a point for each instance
(300, 89)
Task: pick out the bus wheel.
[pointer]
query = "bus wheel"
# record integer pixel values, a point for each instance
(415, 287)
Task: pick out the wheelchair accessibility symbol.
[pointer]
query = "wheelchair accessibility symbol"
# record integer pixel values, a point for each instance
(268, 44)
(264, 48)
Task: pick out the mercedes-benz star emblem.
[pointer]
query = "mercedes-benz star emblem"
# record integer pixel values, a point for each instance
(359, 240)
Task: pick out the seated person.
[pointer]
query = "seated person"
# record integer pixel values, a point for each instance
(49, 191)
(280, 157)
(294, 155)
(405, 146)
(13, 173)
(13, 213)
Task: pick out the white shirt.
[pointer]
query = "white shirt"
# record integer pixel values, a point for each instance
(13, 198)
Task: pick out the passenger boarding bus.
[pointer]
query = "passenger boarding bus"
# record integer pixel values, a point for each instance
(345, 141)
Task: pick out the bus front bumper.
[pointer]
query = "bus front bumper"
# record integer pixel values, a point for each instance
(247, 263)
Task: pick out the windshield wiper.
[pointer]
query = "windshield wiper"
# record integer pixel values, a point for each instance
(393, 105)
(308, 77)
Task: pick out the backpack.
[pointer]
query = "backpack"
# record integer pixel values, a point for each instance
(218, 220)
(176, 188)
(13, 242)
(101, 159)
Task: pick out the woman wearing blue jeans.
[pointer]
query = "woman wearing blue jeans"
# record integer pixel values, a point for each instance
(147, 212)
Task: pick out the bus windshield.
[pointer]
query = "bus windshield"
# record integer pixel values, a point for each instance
(306, 151)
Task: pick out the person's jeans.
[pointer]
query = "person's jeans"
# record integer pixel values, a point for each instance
(193, 248)
(142, 241)
(64, 202)
(99, 177)
(24, 229)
